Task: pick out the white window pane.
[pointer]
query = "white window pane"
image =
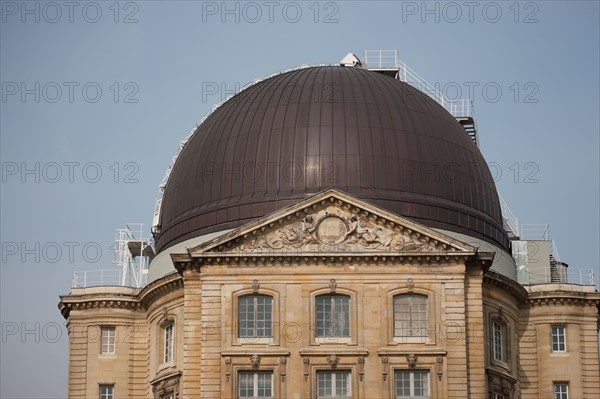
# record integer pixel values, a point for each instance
(332, 316)
(561, 391)
(410, 316)
(107, 340)
(411, 384)
(169, 343)
(334, 384)
(255, 316)
(255, 384)
(558, 339)
(497, 344)
(106, 392)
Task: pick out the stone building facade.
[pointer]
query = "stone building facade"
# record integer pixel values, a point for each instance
(333, 293)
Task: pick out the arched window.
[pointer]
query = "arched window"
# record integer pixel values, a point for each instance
(255, 316)
(410, 316)
(332, 316)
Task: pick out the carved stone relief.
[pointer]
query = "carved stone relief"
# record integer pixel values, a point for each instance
(336, 230)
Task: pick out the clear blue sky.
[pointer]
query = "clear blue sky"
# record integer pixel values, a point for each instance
(151, 61)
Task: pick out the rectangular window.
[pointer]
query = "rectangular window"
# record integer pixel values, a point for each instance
(561, 390)
(498, 396)
(169, 339)
(332, 316)
(255, 384)
(255, 316)
(107, 391)
(411, 384)
(497, 344)
(107, 340)
(558, 339)
(334, 384)
(410, 316)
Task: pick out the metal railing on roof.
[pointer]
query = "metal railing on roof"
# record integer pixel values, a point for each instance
(389, 59)
(95, 278)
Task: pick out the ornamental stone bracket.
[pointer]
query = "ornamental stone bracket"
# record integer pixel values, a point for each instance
(411, 357)
(500, 382)
(255, 359)
(439, 367)
(385, 367)
(333, 358)
(282, 367)
(166, 384)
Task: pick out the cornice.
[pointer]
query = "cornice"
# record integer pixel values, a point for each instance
(563, 298)
(497, 280)
(408, 351)
(256, 351)
(136, 301)
(103, 301)
(159, 288)
(322, 258)
(334, 351)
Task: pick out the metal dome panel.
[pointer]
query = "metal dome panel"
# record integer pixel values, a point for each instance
(301, 132)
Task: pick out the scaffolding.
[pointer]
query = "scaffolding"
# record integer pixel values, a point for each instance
(132, 254)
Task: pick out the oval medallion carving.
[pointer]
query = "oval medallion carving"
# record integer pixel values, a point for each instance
(332, 230)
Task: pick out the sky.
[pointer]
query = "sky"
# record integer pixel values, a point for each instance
(96, 97)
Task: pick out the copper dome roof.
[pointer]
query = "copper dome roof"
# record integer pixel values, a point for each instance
(301, 132)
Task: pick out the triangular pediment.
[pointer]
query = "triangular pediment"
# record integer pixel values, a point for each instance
(332, 222)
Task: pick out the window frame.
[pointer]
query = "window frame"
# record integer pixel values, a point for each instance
(334, 387)
(410, 338)
(562, 395)
(254, 338)
(562, 333)
(500, 319)
(111, 340)
(411, 373)
(233, 307)
(332, 316)
(255, 374)
(498, 341)
(353, 317)
(106, 395)
(168, 343)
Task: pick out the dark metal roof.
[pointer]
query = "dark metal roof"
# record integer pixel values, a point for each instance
(304, 131)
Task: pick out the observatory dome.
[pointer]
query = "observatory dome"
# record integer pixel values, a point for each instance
(301, 132)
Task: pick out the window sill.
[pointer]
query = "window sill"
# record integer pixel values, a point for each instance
(165, 366)
(410, 340)
(501, 364)
(333, 340)
(254, 341)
